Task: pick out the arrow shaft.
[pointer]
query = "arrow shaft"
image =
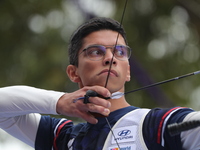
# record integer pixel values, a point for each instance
(162, 82)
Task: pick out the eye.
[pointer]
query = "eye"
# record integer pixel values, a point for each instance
(120, 51)
(95, 51)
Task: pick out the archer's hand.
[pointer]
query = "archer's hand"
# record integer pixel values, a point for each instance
(67, 107)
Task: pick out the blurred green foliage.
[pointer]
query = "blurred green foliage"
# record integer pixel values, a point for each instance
(163, 35)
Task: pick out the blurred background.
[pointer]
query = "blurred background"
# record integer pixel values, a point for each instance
(163, 35)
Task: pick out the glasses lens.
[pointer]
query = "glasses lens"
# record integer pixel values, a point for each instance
(122, 52)
(95, 52)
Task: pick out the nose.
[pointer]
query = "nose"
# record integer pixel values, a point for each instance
(108, 58)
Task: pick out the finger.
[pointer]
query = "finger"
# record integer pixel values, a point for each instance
(100, 90)
(100, 102)
(98, 109)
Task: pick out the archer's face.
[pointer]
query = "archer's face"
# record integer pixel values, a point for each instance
(90, 72)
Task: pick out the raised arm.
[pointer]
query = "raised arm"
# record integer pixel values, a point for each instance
(19, 108)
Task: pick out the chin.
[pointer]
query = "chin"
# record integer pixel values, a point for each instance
(111, 86)
(115, 89)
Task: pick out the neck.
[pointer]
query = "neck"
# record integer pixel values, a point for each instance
(118, 103)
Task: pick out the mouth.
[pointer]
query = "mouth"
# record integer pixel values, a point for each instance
(106, 71)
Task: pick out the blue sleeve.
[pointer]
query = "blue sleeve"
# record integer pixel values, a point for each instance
(48, 131)
(155, 132)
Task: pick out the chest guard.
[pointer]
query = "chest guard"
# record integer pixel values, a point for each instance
(126, 134)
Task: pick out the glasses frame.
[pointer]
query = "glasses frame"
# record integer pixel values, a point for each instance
(107, 47)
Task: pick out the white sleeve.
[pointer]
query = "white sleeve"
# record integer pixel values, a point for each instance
(190, 139)
(20, 107)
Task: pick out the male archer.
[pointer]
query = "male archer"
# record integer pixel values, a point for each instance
(91, 51)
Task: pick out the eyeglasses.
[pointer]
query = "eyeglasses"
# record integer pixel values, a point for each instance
(97, 52)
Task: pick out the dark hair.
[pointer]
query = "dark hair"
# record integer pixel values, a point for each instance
(95, 24)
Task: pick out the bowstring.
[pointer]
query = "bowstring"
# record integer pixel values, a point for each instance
(110, 66)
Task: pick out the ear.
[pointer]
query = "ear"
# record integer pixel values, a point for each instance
(72, 73)
(128, 76)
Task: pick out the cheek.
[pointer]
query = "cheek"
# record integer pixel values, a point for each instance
(126, 71)
(86, 68)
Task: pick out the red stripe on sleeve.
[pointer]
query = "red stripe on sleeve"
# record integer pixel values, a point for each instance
(57, 133)
(161, 124)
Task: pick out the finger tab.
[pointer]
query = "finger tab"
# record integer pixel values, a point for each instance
(86, 99)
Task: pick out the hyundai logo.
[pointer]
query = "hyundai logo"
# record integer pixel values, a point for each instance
(124, 132)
